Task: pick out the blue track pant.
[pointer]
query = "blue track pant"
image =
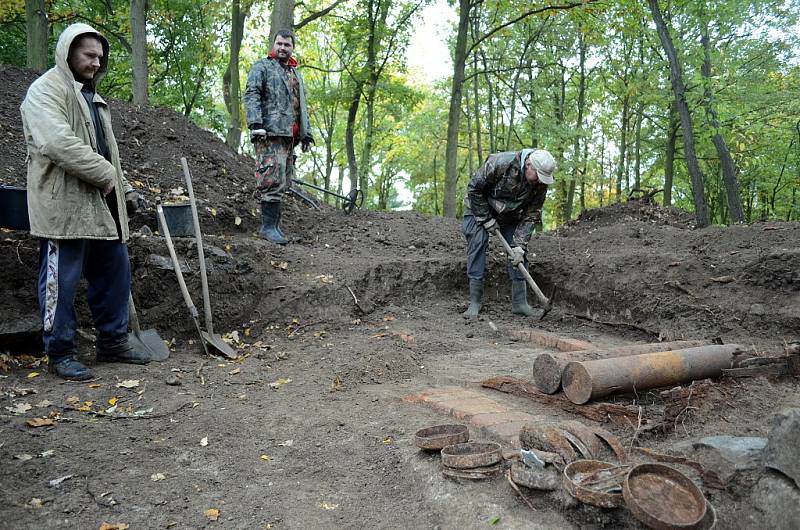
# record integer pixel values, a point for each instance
(105, 265)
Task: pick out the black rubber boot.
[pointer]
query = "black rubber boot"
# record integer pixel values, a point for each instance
(120, 351)
(278, 222)
(270, 216)
(68, 367)
(519, 299)
(475, 296)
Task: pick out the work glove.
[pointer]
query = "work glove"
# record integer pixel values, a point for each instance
(305, 144)
(490, 224)
(258, 135)
(132, 202)
(516, 256)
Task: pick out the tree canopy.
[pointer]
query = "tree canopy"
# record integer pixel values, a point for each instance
(694, 103)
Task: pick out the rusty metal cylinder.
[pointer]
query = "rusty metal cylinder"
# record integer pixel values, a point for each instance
(584, 381)
(549, 367)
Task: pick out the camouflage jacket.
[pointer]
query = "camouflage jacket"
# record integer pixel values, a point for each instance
(498, 189)
(268, 100)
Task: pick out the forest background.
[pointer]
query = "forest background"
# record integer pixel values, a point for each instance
(694, 101)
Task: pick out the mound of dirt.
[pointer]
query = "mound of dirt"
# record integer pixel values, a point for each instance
(635, 267)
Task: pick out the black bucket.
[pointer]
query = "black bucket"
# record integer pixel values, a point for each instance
(179, 219)
(14, 208)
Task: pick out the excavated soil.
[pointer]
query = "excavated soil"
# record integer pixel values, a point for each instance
(305, 429)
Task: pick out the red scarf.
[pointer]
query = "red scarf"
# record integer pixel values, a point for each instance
(291, 62)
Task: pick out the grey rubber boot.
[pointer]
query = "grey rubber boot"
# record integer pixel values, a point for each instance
(519, 299)
(270, 213)
(475, 295)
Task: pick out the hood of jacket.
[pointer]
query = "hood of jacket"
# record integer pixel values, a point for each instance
(62, 51)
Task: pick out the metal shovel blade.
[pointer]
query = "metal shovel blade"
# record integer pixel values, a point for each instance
(216, 342)
(149, 341)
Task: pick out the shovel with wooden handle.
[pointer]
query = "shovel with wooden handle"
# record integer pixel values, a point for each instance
(147, 339)
(215, 341)
(544, 302)
(186, 297)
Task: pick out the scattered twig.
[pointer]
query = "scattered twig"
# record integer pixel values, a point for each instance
(636, 432)
(298, 328)
(199, 373)
(519, 492)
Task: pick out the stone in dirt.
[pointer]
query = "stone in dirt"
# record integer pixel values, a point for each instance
(725, 455)
(778, 498)
(783, 449)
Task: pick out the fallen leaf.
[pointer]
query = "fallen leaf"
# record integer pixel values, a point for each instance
(279, 383)
(387, 440)
(72, 401)
(237, 220)
(19, 408)
(86, 407)
(128, 383)
(388, 318)
(723, 279)
(142, 412)
(287, 443)
(495, 520)
(47, 454)
(324, 278)
(56, 482)
(44, 403)
(95, 385)
(114, 526)
(234, 371)
(204, 441)
(32, 375)
(23, 457)
(35, 503)
(155, 477)
(40, 422)
(213, 212)
(327, 506)
(266, 458)
(212, 514)
(113, 401)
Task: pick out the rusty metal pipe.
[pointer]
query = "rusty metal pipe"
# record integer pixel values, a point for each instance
(549, 367)
(584, 381)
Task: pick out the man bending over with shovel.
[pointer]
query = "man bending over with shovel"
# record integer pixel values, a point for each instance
(507, 193)
(78, 204)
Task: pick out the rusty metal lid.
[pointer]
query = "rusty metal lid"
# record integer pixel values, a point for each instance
(663, 498)
(440, 436)
(596, 482)
(471, 454)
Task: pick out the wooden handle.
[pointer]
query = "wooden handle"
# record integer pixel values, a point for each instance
(133, 318)
(186, 297)
(200, 252)
(543, 301)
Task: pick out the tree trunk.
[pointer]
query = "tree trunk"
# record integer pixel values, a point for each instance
(679, 89)
(349, 139)
(454, 115)
(623, 144)
(231, 88)
(477, 105)
(282, 17)
(36, 27)
(669, 155)
(729, 179)
(637, 147)
(139, 51)
(576, 146)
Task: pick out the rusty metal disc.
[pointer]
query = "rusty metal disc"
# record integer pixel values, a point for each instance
(440, 436)
(663, 498)
(475, 473)
(471, 454)
(596, 482)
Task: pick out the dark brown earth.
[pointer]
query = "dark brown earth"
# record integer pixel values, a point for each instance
(306, 430)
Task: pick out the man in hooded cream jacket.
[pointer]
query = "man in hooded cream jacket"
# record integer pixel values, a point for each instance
(78, 204)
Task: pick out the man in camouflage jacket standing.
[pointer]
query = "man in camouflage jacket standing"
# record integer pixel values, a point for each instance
(506, 192)
(277, 115)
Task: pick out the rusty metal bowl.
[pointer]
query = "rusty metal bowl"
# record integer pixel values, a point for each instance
(595, 482)
(471, 454)
(544, 479)
(663, 498)
(440, 436)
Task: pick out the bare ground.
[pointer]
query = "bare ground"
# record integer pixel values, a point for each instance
(306, 429)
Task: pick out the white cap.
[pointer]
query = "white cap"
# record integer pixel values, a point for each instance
(544, 164)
